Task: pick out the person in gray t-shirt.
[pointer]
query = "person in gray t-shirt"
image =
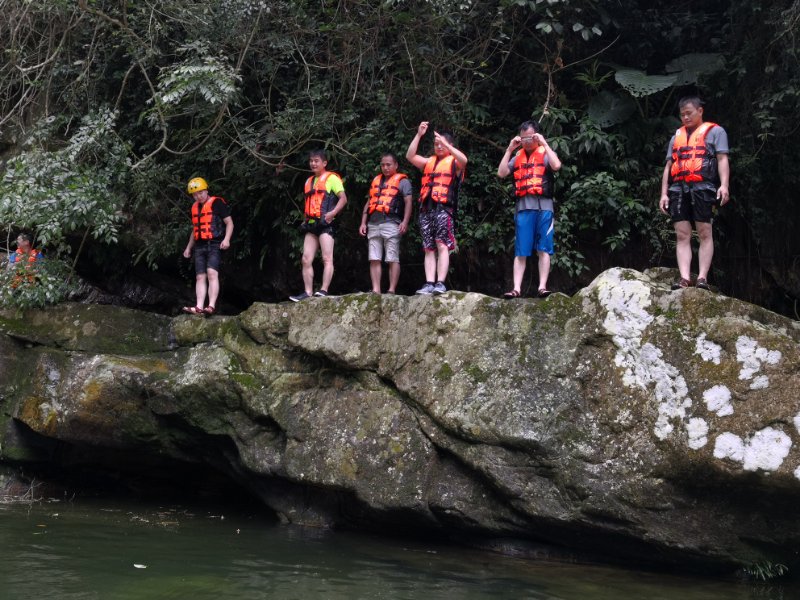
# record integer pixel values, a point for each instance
(385, 219)
(693, 185)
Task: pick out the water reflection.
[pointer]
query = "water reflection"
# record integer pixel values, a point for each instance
(86, 551)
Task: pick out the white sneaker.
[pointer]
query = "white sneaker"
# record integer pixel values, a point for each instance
(439, 288)
(426, 290)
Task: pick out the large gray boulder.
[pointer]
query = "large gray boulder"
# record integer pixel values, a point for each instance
(629, 421)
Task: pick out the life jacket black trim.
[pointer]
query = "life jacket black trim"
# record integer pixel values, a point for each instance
(206, 226)
(692, 161)
(387, 198)
(531, 175)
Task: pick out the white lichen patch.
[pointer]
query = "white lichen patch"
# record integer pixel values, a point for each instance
(753, 356)
(797, 472)
(765, 450)
(718, 400)
(729, 445)
(697, 429)
(708, 351)
(626, 302)
(797, 422)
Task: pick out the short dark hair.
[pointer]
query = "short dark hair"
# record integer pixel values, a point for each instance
(694, 100)
(391, 155)
(530, 125)
(26, 236)
(318, 153)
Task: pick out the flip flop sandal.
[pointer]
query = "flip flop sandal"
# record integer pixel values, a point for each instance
(193, 310)
(209, 310)
(511, 294)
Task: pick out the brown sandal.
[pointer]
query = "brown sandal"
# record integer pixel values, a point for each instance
(681, 284)
(510, 295)
(209, 310)
(193, 310)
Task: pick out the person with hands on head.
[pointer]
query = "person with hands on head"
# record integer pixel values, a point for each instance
(442, 175)
(693, 185)
(385, 219)
(324, 200)
(212, 228)
(533, 166)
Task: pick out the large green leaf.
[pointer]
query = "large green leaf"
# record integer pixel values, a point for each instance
(689, 67)
(607, 109)
(639, 84)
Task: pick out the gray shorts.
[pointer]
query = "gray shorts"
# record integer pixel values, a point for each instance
(382, 236)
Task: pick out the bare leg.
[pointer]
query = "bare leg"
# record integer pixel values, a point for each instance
(200, 286)
(544, 269)
(394, 276)
(310, 245)
(443, 262)
(520, 262)
(706, 252)
(683, 248)
(375, 275)
(430, 265)
(326, 243)
(213, 287)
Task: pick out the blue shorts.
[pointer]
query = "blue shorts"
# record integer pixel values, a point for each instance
(534, 230)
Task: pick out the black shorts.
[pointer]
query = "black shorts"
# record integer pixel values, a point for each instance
(698, 206)
(207, 255)
(318, 227)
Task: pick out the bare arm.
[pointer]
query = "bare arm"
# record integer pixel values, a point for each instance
(226, 242)
(723, 166)
(406, 215)
(458, 155)
(663, 203)
(411, 154)
(502, 168)
(364, 216)
(188, 251)
(552, 157)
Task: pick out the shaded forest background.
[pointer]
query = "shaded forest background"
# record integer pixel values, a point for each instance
(108, 108)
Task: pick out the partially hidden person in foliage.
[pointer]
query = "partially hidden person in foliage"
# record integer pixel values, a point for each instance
(23, 260)
(694, 184)
(325, 198)
(212, 229)
(442, 175)
(533, 166)
(385, 219)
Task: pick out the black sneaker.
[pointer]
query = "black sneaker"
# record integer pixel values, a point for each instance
(321, 293)
(299, 297)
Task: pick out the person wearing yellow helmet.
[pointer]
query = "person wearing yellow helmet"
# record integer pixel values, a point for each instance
(212, 228)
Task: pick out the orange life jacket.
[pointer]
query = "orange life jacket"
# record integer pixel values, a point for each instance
(318, 199)
(27, 271)
(691, 160)
(531, 175)
(439, 181)
(387, 198)
(205, 227)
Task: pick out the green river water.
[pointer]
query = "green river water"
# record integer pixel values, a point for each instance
(106, 551)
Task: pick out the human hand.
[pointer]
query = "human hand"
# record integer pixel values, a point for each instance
(403, 228)
(224, 245)
(422, 129)
(187, 253)
(329, 217)
(362, 230)
(663, 204)
(515, 143)
(539, 139)
(723, 195)
(441, 140)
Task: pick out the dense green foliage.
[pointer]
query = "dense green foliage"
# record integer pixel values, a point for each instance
(108, 107)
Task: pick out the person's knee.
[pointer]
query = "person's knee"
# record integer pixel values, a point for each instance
(307, 260)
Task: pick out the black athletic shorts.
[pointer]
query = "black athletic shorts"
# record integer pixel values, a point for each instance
(207, 255)
(698, 206)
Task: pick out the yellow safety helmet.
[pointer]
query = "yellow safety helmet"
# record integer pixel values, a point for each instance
(198, 184)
